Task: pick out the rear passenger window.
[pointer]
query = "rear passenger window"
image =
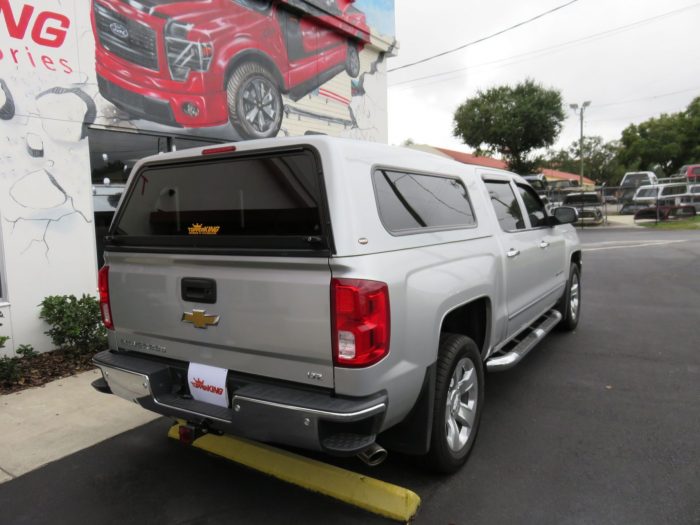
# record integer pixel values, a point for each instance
(508, 211)
(409, 201)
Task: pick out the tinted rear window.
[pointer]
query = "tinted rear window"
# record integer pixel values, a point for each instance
(409, 201)
(647, 192)
(270, 201)
(582, 199)
(635, 179)
(674, 190)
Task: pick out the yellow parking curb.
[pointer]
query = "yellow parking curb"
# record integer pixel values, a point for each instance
(371, 494)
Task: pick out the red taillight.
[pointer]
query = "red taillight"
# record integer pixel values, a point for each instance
(103, 287)
(221, 149)
(360, 321)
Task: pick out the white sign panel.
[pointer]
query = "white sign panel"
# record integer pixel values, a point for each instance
(208, 384)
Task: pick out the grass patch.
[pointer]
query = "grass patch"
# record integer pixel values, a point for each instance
(693, 223)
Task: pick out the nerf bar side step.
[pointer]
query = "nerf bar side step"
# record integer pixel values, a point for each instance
(523, 347)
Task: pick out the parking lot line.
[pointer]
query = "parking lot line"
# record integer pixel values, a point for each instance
(373, 495)
(617, 245)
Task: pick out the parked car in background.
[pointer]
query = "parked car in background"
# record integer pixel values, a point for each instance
(644, 196)
(588, 205)
(693, 196)
(609, 195)
(539, 183)
(558, 189)
(628, 187)
(661, 194)
(691, 172)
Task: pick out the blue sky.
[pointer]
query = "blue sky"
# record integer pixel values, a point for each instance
(380, 15)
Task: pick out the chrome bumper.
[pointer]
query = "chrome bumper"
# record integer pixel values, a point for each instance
(275, 413)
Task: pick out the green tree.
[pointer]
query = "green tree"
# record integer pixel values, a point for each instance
(600, 160)
(511, 121)
(663, 143)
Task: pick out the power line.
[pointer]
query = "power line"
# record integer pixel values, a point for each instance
(647, 98)
(468, 44)
(546, 50)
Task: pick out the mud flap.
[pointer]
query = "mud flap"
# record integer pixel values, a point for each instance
(412, 435)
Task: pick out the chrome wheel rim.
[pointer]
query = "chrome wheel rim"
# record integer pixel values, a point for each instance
(574, 297)
(261, 108)
(460, 407)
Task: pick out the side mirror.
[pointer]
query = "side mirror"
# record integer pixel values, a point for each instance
(564, 215)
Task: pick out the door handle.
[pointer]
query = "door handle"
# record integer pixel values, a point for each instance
(513, 253)
(197, 290)
(544, 244)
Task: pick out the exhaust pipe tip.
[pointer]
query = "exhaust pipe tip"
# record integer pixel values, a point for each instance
(373, 455)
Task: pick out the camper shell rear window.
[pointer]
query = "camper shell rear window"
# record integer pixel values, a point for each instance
(266, 201)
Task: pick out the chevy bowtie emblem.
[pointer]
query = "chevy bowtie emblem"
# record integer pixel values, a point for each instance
(200, 319)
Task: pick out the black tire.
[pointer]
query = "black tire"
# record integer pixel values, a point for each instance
(254, 101)
(571, 314)
(447, 451)
(352, 62)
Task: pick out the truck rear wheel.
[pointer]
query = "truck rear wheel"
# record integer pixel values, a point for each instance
(458, 399)
(254, 101)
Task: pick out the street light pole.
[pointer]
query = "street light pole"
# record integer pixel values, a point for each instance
(575, 108)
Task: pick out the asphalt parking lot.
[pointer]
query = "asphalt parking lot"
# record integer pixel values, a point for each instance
(599, 426)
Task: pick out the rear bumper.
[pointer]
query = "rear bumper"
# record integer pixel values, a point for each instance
(266, 412)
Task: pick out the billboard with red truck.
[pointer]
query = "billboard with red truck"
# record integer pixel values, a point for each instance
(205, 63)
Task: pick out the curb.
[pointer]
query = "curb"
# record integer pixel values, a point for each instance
(373, 495)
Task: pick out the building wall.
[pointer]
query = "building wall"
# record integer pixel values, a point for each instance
(50, 95)
(45, 191)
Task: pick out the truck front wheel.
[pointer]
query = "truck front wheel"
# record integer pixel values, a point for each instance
(570, 304)
(254, 101)
(458, 399)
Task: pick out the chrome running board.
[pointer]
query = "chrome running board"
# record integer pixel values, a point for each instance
(524, 343)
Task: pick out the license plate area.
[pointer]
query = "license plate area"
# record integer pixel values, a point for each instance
(208, 384)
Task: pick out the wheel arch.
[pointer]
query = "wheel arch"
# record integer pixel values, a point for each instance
(413, 435)
(471, 319)
(258, 56)
(576, 259)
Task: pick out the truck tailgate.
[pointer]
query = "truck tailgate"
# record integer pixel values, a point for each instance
(221, 258)
(273, 313)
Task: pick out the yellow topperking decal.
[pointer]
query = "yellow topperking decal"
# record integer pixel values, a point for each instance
(199, 229)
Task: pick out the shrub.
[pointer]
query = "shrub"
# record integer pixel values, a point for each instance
(26, 351)
(75, 323)
(9, 369)
(8, 365)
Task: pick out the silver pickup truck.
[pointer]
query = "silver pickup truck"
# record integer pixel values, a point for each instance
(329, 294)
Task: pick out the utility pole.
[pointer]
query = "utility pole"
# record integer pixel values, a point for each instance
(575, 108)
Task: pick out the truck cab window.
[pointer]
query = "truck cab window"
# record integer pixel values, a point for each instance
(503, 200)
(533, 206)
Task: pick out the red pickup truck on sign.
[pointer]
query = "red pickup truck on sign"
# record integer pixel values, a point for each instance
(197, 63)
